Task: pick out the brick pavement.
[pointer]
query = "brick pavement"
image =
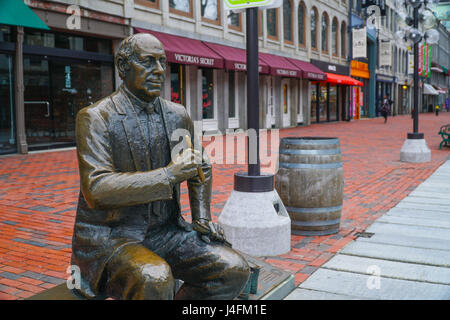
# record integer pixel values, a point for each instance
(38, 197)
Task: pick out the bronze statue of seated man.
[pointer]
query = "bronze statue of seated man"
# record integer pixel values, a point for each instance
(130, 240)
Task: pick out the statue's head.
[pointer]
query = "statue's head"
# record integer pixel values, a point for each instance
(141, 63)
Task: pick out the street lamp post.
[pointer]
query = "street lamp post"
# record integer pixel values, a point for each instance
(415, 148)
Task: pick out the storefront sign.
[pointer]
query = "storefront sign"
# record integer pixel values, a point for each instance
(289, 73)
(384, 78)
(359, 69)
(385, 53)
(360, 43)
(329, 67)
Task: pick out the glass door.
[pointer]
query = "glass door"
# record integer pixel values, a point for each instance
(37, 104)
(7, 120)
(55, 90)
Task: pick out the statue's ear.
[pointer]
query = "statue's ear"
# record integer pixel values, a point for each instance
(122, 67)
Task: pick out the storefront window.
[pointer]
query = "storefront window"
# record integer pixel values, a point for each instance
(5, 34)
(181, 6)
(210, 9)
(177, 83)
(64, 41)
(232, 94)
(7, 120)
(323, 103)
(313, 102)
(301, 23)
(287, 20)
(333, 103)
(208, 93)
(272, 23)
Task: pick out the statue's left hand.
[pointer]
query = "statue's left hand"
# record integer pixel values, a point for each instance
(210, 231)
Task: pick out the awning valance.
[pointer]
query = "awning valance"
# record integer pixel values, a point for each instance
(343, 80)
(309, 71)
(280, 66)
(17, 13)
(428, 89)
(235, 58)
(186, 51)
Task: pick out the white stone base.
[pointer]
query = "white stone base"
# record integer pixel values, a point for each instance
(253, 226)
(415, 150)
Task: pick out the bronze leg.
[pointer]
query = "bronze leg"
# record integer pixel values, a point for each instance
(137, 273)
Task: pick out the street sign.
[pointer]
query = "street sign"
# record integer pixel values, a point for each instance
(243, 4)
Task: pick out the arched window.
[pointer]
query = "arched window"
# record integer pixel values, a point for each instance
(287, 21)
(272, 23)
(301, 23)
(334, 36)
(314, 28)
(325, 32)
(343, 39)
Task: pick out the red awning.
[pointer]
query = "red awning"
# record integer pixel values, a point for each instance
(235, 58)
(345, 80)
(309, 71)
(280, 66)
(186, 51)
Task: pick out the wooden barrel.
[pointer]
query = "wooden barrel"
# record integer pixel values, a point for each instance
(310, 182)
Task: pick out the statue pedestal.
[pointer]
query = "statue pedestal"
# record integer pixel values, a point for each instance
(256, 223)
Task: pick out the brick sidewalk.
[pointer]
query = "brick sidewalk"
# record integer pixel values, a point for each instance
(38, 198)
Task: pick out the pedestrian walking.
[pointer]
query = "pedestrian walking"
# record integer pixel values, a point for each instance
(385, 108)
(437, 110)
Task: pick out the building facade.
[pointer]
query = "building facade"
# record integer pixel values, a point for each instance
(306, 71)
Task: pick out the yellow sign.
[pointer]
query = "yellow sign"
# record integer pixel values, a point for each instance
(359, 69)
(242, 4)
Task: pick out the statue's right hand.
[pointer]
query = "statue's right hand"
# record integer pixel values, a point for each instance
(184, 166)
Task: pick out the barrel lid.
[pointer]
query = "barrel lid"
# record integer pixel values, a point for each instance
(310, 140)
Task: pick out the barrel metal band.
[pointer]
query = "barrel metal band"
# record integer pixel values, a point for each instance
(310, 165)
(311, 152)
(309, 142)
(315, 223)
(314, 210)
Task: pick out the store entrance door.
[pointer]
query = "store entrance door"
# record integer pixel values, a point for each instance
(55, 90)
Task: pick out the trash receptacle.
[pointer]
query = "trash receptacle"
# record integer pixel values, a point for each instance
(310, 182)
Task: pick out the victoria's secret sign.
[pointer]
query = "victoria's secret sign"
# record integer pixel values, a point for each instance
(187, 59)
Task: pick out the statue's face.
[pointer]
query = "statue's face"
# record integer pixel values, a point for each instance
(145, 76)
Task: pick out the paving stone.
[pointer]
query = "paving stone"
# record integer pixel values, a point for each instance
(418, 214)
(365, 286)
(9, 275)
(306, 294)
(413, 241)
(389, 269)
(445, 224)
(427, 232)
(433, 257)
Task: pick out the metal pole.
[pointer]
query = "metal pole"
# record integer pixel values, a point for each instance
(416, 75)
(254, 168)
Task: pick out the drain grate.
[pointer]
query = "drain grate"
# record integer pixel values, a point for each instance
(364, 234)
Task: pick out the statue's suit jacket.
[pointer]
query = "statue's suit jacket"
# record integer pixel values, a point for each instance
(117, 183)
